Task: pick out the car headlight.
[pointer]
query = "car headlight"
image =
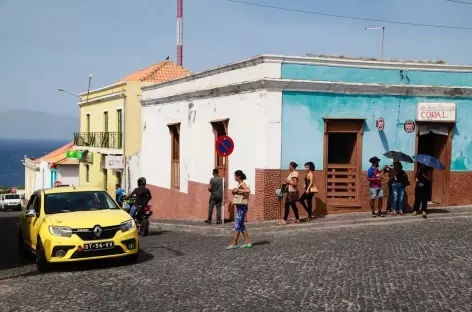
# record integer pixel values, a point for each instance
(127, 225)
(60, 231)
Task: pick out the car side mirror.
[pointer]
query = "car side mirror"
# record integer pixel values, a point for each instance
(31, 213)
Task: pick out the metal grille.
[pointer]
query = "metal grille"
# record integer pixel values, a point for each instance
(88, 234)
(99, 139)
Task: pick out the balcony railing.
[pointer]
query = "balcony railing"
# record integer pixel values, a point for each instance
(99, 139)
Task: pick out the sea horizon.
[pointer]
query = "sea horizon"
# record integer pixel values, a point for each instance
(13, 151)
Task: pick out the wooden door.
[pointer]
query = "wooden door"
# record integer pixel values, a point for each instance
(343, 146)
(438, 176)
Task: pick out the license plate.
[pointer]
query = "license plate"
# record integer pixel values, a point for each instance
(98, 246)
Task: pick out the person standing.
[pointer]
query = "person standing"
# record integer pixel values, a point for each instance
(310, 190)
(240, 200)
(422, 189)
(292, 195)
(215, 187)
(399, 183)
(374, 176)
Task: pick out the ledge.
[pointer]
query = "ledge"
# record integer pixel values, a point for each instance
(316, 86)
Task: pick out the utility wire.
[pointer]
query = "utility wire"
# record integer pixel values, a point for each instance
(350, 17)
(457, 1)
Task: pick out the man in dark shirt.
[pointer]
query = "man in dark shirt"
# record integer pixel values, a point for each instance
(216, 196)
(143, 195)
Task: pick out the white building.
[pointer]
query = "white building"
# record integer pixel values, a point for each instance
(52, 168)
(279, 109)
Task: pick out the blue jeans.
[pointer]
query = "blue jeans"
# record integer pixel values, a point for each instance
(132, 210)
(398, 194)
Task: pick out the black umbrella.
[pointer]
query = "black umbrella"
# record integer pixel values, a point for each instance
(398, 156)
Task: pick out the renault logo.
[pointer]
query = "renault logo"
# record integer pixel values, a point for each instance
(97, 230)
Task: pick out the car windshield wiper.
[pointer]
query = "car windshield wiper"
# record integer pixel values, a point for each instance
(60, 211)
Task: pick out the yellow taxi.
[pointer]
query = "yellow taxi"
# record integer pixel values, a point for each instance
(67, 224)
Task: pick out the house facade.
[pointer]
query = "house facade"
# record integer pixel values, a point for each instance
(110, 128)
(52, 168)
(335, 112)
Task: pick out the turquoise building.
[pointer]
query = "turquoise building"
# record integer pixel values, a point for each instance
(353, 109)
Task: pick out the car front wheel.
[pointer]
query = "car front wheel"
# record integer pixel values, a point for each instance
(42, 264)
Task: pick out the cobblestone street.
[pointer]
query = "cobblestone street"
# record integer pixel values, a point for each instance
(420, 266)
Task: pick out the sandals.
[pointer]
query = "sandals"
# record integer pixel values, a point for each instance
(283, 222)
(232, 247)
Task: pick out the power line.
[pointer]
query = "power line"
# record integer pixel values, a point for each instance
(457, 1)
(350, 17)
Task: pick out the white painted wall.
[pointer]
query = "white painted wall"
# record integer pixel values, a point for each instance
(263, 70)
(133, 165)
(44, 175)
(68, 174)
(254, 125)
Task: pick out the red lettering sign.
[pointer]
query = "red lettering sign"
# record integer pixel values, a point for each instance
(433, 115)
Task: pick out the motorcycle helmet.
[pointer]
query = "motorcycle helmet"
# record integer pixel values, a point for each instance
(142, 181)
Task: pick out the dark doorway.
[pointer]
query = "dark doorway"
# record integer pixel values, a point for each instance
(341, 148)
(435, 145)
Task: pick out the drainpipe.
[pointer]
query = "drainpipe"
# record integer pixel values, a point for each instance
(123, 137)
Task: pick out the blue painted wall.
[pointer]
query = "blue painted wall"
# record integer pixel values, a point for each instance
(381, 76)
(303, 126)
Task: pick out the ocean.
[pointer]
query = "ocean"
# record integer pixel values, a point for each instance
(12, 171)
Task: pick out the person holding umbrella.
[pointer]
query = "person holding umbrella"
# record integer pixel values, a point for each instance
(399, 183)
(423, 181)
(374, 176)
(422, 190)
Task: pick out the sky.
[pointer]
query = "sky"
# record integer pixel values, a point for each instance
(51, 44)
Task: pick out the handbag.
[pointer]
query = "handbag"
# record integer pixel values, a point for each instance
(240, 199)
(293, 197)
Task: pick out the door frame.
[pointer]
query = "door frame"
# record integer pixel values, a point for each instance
(351, 125)
(447, 171)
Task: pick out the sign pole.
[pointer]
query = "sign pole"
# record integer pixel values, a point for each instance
(224, 191)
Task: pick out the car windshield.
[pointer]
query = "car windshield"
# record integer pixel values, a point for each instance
(12, 196)
(78, 201)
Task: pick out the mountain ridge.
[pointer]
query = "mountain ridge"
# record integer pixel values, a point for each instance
(35, 125)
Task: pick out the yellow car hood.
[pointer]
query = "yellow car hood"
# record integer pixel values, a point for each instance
(88, 219)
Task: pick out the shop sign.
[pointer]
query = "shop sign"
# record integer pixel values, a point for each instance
(380, 124)
(443, 112)
(57, 183)
(85, 156)
(409, 126)
(114, 162)
(14, 190)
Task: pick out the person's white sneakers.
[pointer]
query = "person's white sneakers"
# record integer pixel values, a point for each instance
(415, 213)
(424, 214)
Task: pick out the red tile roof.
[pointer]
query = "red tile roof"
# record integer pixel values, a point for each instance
(59, 156)
(160, 72)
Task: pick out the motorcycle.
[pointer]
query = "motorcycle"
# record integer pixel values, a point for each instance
(142, 219)
(140, 215)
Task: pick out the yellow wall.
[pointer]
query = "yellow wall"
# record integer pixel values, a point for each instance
(132, 126)
(133, 122)
(97, 176)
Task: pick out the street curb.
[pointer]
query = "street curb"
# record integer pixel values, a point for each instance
(318, 224)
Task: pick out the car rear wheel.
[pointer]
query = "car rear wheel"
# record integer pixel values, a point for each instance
(42, 264)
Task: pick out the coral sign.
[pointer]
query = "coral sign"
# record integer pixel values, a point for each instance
(436, 112)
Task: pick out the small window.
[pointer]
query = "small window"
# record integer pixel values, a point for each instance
(175, 155)
(30, 204)
(37, 204)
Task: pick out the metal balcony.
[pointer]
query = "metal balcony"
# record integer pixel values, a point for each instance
(99, 139)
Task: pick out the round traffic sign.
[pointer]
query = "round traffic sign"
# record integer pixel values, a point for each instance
(224, 145)
(409, 126)
(380, 123)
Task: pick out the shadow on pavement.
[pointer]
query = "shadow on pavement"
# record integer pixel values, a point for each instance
(157, 233)
(175, 251)
(437, 210)
(261, 243)
(8, 244)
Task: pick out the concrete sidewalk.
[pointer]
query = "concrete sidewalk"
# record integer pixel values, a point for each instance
(329, 221)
